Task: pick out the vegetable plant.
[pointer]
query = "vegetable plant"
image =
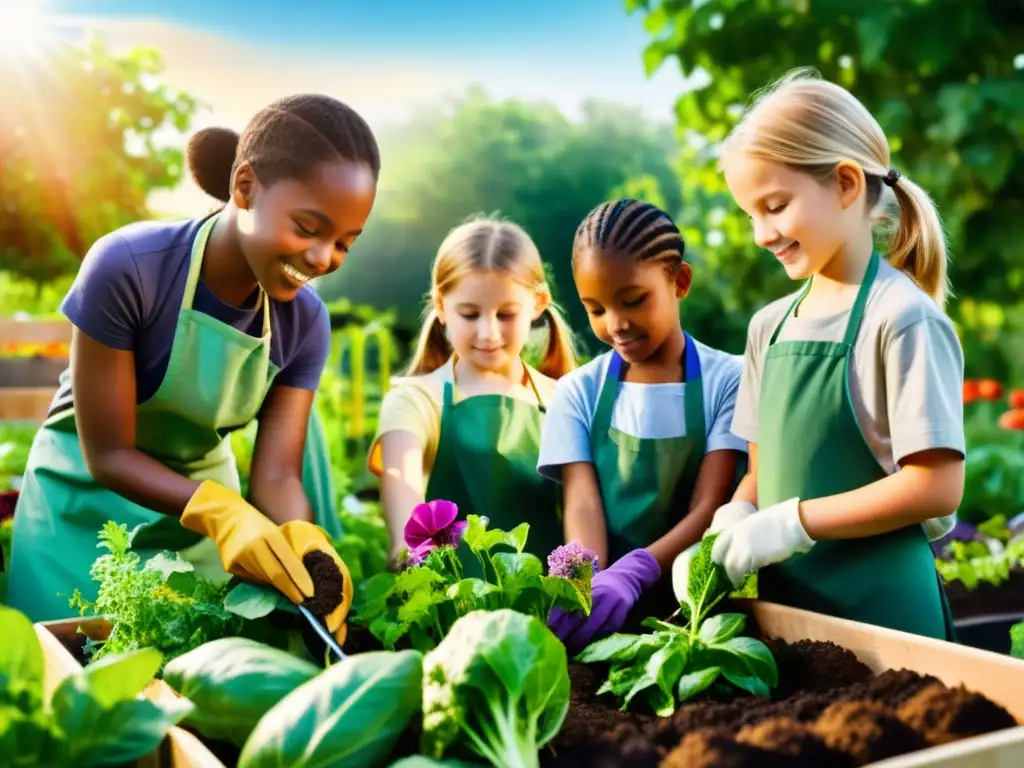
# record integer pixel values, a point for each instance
(677, 662)
(94, 717)
(351, 714)
(164, 604)
(498, 684)
(422, 602)
(233, 682)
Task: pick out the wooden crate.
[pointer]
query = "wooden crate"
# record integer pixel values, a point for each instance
(999, 677)
(180, 749)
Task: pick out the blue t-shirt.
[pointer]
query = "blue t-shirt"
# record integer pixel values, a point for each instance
(128, 293)
(641, 410)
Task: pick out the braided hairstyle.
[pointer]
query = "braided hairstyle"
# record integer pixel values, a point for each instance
(285, 140)
(633, 227)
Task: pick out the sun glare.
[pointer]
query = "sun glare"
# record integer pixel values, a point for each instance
(24, 30)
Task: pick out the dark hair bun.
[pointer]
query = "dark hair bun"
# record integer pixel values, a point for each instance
(210, 155)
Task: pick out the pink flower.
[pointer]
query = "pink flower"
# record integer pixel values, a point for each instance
(433, 525)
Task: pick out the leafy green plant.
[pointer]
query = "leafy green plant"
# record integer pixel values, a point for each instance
(351, 714)
(498, 685)
(95, 716)
(1017, 640)
(675, 663)
(364, 542)
(974, 562)
(422, 602)
(233, 682)
(164, 604)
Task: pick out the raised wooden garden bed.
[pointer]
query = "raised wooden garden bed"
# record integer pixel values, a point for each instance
(815, 653)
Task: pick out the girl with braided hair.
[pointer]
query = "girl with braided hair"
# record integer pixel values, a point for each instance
(851, 393)
(185, 331)
(638, 437)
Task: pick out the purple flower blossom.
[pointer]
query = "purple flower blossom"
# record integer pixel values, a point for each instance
(433, 525)
(565, 561)
(416, 556)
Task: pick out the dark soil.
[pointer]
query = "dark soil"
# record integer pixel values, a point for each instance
(327, 583)
(828, 712)
(986, 599)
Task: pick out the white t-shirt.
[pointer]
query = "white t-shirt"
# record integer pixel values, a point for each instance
(640, 410)
(906, 377)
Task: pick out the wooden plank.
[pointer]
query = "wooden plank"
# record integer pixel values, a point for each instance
(25, 403)
(35, 331)
(1000, 678)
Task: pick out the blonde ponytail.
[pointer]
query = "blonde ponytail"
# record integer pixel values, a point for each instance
(560, 356)
(432, 347)
(811, 125)
(918, 247)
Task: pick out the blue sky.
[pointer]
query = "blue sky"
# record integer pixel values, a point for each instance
(454, 27)
(384, 57)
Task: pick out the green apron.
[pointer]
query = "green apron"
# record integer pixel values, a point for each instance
(647, 483)
(486, 463)
(810, 445)
(217, 378)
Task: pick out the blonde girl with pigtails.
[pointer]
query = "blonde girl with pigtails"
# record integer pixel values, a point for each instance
(464, 422)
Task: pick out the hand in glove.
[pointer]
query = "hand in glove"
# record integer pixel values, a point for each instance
(251, 546)
(767, 537)
(305, 538)
(613, 593)
(728, 514)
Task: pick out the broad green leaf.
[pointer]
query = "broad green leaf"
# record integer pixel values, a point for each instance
(471, 589)
(121, 677)
(516, 572)
(253, 602)
(29, 740)
(567, 594)
(165, 564)
(233, 682)
(614, 647)
(351, 714)
(693, 683)
(666, 664)
(125, 732)
(720, 628)
(21, 658)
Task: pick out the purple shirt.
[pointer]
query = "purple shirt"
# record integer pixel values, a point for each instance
(128, 293)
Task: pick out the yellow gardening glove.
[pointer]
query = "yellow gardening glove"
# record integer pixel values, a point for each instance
(251, 546)
(305, 538)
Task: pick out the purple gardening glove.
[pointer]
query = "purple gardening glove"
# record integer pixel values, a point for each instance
(614, 592)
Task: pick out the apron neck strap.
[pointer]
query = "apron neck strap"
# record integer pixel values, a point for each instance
(617, 367)
(195, 269)
(856, 312)
(450, 391)
(691, 362)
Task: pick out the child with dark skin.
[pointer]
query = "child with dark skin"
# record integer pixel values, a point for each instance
(184, 331)
(639, 436)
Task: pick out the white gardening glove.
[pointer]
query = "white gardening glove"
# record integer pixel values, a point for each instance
(728, 514)
(937, 527)
(770, 536)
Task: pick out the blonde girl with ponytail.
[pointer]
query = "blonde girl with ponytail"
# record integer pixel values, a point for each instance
(463, 424)
(850, 399)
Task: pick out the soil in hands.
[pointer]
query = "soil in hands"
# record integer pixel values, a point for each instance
(829, 711)
(327, 583)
